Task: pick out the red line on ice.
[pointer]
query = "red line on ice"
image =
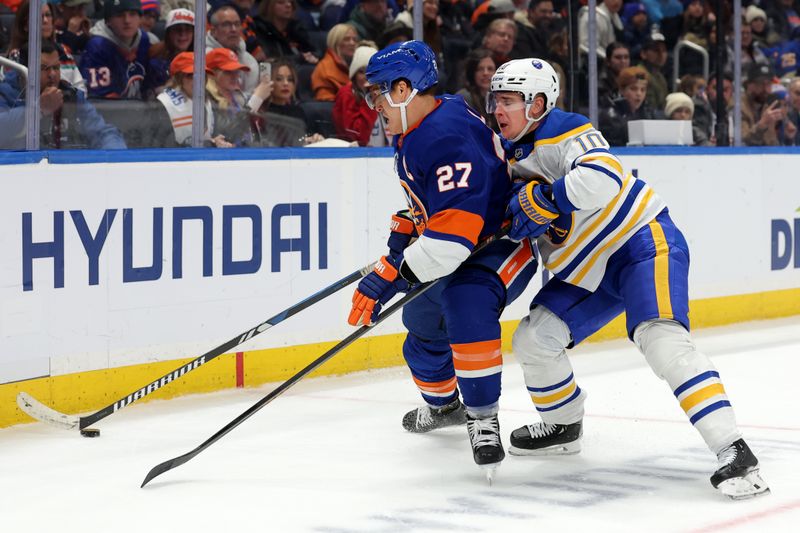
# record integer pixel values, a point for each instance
(746, 519)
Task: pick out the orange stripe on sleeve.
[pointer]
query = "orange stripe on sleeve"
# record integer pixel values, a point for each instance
(457, 222)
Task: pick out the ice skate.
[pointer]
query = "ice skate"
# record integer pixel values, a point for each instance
(487, 450)
(738, 474)
(427, 418)
(546, 439)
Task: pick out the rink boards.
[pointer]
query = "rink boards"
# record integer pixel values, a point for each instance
(111, 273)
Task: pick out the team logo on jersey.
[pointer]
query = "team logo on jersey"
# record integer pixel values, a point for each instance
(536, 64)
(518, 153)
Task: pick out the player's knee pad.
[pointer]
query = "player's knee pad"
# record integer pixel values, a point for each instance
(472, 304)
(540, 337)
(668, 348)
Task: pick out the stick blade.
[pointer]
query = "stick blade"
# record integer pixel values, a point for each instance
(166, 466)
(36, 409)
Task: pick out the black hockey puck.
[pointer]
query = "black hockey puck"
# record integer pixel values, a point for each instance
(90, 433)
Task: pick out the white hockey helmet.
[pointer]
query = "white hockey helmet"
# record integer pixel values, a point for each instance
(528, 77)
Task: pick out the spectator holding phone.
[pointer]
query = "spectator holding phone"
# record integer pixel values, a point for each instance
(760, 117)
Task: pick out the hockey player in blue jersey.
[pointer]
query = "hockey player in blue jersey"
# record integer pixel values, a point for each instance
(456, 183)
(611, 245)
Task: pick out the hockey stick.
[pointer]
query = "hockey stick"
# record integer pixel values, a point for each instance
(289, 383)
(39, 411)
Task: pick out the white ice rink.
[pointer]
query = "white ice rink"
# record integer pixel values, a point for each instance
(331, 456)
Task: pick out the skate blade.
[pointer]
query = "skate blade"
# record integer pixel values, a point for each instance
(570, 448)
(741, 488)
(489, 470)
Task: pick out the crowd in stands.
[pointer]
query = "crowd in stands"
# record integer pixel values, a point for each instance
(118, 73)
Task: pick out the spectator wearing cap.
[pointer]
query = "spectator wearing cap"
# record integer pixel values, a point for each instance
(636, 26)
(632, 105)
(533, 30)
(696, 22)
(178, 37)
(283, 101)
(229, 105)
(396, 32)
(785, 17)
(478, 71)
(653, 58)
(618, 57)
(116, 64)
(680, 106)
(763, 34)
(499, 39)
(225, 31)
(370, 19)
(491, 10)
(609, 25)
(151, 13)
(19, 39)
(174, 119)
(352, 117)
(280, 34)
(760, 118)
(331, 73)
(68, 120)
(72, 25)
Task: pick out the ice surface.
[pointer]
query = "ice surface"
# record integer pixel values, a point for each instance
(331, 456)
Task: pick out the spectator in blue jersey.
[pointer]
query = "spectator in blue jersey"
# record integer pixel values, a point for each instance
(225, 31)
(68, 120)
(116, 64)
(151, 13)
(637, 26)
(784, 56)
(785, 17)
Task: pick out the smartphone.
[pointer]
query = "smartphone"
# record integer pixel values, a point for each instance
(265, 71)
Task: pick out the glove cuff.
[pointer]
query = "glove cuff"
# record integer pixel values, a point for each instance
(386, 269)
(401, 224)
(538, 213)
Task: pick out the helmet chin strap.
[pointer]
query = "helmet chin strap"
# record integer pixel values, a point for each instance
(531, 121)
(402, 106)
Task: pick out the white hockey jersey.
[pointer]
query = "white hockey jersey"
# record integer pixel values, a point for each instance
(601, 206)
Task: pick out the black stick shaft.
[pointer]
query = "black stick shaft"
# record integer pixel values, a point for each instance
(289, 383)
(88, 420)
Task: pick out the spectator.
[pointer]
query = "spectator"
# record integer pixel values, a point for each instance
(479, 68)
(396, 32)
(330, 74)
(783, 57)
(116, 64)
(499, 39)
(228, 102)
(178, 37)
(631, 105)
(430, 23)
(176, 114)
(283, 101)
(784, 17)
(491, 10)
(19, 39)
(370, 19)
(696, 22)
(169, 5)
(727, 96)
(352, 117)
(637, 27)
(68, 119)
(280, 34)
(658, 10)
(226, 32)
(533, 30)
(680, 106)
(609, 25)
(245, 8)
(72, 25)
(695, 88)
(455, 15)
(751, 53)
(785, 129)
(763, 34)
(793, 112)
(654, 57)
(759, 119)
(618, 57)
(151, 12)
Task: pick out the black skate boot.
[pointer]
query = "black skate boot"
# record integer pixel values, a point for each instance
(487, 450)
(738, 477)
(427, 418)
(546, 439)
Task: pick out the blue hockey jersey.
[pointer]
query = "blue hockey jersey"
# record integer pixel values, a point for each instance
(112, 70)
(457, 183)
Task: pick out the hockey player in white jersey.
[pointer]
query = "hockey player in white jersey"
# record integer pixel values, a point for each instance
(610, 243)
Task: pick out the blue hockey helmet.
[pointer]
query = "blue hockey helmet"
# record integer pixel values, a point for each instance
(411, 60)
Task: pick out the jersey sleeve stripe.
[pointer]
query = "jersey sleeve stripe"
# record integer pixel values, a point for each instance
(599, 220)
(458, 223)
(559, 138)
(592, 151)
(612, 161)
(604, 170)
